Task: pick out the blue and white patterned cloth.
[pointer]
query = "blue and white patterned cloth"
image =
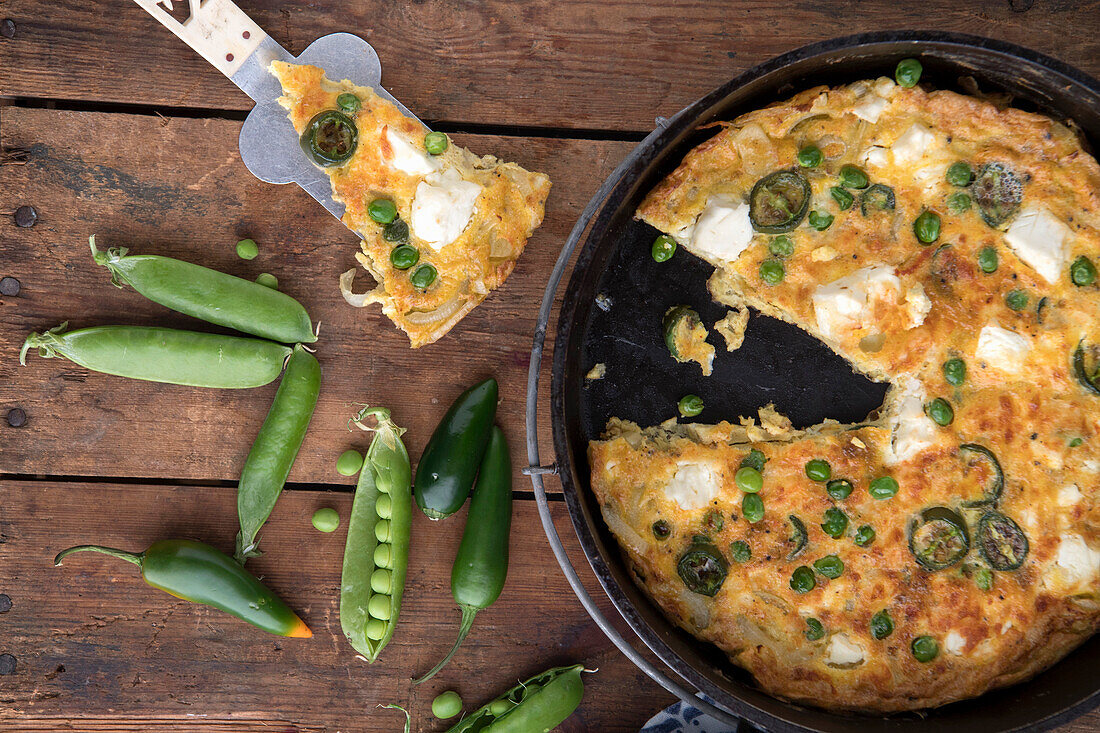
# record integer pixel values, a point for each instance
(679, 717)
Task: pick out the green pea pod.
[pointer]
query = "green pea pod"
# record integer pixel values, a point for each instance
(164, 355)
(450, 461)
(209, 295)
(481, 566)
(275, 448)
(377, 551)
(536, 705)
(197, 572)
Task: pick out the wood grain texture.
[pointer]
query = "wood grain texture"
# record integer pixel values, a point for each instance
(608, 64)
(90, 639)
(177, 187)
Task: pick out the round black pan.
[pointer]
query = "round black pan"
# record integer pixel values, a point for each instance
(612, 311)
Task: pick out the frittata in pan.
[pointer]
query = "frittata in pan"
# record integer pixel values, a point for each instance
(951, 543)
(441, 227)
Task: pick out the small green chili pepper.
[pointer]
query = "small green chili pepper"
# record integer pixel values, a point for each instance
(445, 474)
(690, 405)
(275, 448)
(810, 156)
(164, 355)
(663, 248)
(209, 295)
(197, 572)
(908, 72)
(435, 143)
(927, 227)
(376, 554)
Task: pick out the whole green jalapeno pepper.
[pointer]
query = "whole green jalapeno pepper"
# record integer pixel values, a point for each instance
(209, 295)
(164, 355)
(377, 551)
(197, 572)
(481, 565)
(450, 461)
(275, 448)
(536, 705)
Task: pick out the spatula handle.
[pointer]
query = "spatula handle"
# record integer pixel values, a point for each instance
(217, 29)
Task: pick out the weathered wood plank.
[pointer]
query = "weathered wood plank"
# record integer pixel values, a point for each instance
(575, 63)
(90, 639)
(177, 187)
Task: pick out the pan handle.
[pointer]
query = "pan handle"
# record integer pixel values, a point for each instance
(651, 670)
(217, 30)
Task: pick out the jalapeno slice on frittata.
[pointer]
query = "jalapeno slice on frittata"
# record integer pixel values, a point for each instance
(998, 192)
(938, 538)
(798, 537)
(330, 138)
(996, 485)
(878, 197)
(779, 202)
(1001, 541)
(1089, 382)
(703, 569)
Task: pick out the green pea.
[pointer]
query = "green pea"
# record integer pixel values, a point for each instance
(396, 231)
(268, 280)
(818, 469)
(843, 199)
(382, 211)
(379, 606)
(383, 507)
(884, 487)
(326, 519)
(839, 489)
(853, 177)
(820, 220)
(881, 625)
(954, 371)
(435, 143)
(815, 630)
(348, 103)
(908, 72)
(663, 248)
(499, 707)
(983, 578)
(810, 156)
(927, 227)
(383, 555)
(1076, 442)
(404, 256)
(375, 629)
(1016, 300)
(958, 202)
(781, 246)
(755, 459)
(1082, 272)
(865, 535)
(830, 566)
(690, 405)
(662, 529)
(925, 648)
(960, 173)
(247, 249)
(740, 552)
(381, 581)
(349, 463)
(382, 531)
(835, 524)
(940, 411)
(752, 507)
(423, 277)
(446, 705)
(802, 580)
(772, 271)
(749, 480)
(988, 260)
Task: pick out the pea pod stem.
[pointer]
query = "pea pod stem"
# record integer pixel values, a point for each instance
(165, 355)
(209, 295)
(275, 448)
(386, 472)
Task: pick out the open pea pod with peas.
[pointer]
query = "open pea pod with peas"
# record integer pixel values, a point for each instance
(536, 705)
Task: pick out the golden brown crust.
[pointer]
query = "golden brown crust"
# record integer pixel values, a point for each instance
(509, 208)
(932, 303)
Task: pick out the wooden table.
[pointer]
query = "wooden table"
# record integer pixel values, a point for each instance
(109, 125)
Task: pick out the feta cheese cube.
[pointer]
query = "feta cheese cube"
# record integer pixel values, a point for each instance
(1039, 239)
(723, 230)
(1001, 349)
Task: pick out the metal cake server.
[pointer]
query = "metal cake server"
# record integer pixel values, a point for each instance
(235, 45)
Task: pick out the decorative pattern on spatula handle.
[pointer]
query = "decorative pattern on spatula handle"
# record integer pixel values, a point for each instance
(217, 30)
